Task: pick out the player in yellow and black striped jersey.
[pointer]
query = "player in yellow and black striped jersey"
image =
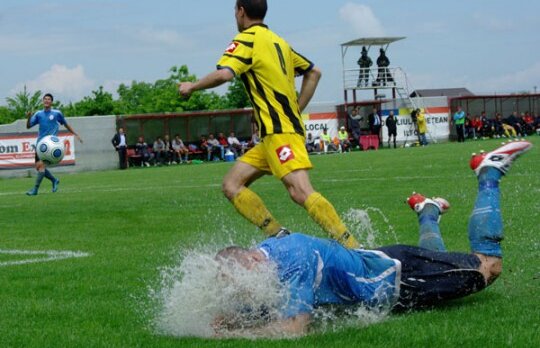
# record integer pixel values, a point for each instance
(267, 66)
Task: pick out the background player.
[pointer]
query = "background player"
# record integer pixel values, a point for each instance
(49, 120)
(317, 271)
(267, 66)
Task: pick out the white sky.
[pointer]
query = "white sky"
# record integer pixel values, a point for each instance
(70, 47)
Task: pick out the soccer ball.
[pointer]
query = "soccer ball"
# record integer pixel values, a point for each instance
(50, 149)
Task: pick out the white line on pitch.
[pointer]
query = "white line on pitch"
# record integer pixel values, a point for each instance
(49, 255)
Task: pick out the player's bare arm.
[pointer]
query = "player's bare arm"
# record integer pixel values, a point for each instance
(214, 79)
(68, 127)
(309, 85)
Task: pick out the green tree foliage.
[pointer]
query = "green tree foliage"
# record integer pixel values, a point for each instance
(138, 97)
(99, 103)
(23, 103)
(236, 96)
(5, 115)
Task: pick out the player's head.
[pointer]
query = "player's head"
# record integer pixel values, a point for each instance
(248, 11)
(48, 100)
(247, 258)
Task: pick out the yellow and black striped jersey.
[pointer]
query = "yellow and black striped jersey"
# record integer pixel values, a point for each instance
(267, 66)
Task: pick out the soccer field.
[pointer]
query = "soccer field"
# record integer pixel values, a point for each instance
(77, 266)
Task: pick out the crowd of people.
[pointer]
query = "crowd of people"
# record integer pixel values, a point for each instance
(167, 151)
(484, 127)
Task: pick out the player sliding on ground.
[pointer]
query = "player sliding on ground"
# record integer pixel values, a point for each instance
(49, 121)
(267, 66)
(318, 271)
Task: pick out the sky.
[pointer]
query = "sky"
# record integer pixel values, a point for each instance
(71, 47)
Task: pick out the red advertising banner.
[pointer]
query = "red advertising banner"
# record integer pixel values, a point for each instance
(18, 151)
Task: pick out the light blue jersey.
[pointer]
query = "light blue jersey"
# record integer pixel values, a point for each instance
(320, 271)
(49, 122)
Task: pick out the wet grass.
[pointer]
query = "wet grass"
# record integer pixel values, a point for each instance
(132, 222)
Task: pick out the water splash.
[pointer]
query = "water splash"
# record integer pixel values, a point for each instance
(362, 227)
(194, 293)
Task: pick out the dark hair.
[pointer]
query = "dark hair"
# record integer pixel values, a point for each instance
(255, 9)
(48, 95)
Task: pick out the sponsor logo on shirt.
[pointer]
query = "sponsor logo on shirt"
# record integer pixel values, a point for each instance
(285, 154)
(232, 47)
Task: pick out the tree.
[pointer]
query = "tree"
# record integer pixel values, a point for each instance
(5, 115)
(100, 103)
(236, 96)
(23, 103)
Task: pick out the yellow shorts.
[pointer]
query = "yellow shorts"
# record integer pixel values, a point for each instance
(279, 154)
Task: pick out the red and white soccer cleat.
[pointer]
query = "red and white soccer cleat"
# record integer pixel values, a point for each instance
(417, 202)
(500, 158)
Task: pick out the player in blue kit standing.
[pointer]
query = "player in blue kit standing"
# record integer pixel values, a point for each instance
(317, 271)
(49, 121)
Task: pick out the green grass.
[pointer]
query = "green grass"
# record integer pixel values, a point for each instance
(132, 222)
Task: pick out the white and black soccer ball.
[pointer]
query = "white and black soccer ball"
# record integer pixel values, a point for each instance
(50, 149)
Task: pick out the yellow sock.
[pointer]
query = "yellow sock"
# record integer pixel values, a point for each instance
(251, 206)
(326, 216)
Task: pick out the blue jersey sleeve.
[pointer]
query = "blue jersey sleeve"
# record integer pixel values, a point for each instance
(34, 119)
(60, 118)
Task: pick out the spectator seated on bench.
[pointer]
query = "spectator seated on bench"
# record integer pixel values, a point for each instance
(142, 153)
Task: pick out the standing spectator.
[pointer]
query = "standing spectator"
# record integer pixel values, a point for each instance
(422, 127)
(343, 137)
(459, 121)
(375, 123)
(49, 121)
(365, 63)
(119, 143)
(383, 76)
(160, 151)
(469, 130)
(215, 148)
(391, 124)
(180, 150)
(234, 145)
(354, 123)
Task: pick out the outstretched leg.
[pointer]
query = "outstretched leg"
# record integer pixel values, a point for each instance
(429, 211)
(485, 224)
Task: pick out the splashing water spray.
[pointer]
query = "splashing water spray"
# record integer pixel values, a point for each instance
(201, 297)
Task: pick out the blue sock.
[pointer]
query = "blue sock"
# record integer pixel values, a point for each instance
(39, 178)
(49, 176)
(430, 234)
(485, 223)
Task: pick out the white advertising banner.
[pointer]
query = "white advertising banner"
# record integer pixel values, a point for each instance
(316, 127)
(18, 151)
(437, 128)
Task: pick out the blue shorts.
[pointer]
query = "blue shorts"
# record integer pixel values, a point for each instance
(430, 277)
